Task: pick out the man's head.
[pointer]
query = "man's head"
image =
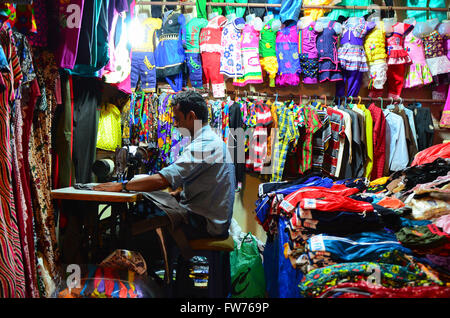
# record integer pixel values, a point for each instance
(188, 107)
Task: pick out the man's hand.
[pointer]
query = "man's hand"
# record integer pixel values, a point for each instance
(176, 194)
(109, 187)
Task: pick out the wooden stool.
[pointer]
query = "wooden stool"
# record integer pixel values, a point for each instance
(217, 251)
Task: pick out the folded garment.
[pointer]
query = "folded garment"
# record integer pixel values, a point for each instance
(423, 237)
(319, 198)
(345, 223)
(269, 187)
(440, 261)
(422, 174)
(404, 222)
(427, 208)
(359, 183)
(391, 203)
(366, 246)
(317, 281)
(444, 223)
(364, 289)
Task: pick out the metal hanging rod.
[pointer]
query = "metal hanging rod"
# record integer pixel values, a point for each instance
(277, 5)
(315, 97)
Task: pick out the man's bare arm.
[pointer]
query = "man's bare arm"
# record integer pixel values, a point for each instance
(149, 183)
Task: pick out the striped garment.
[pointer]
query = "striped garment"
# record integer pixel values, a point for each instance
(12, 276)
(337, 131)
(313, 124)
(259, 141)
(321, 137)
(288, 134)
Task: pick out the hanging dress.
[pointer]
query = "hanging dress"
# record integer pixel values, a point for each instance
(169, 54)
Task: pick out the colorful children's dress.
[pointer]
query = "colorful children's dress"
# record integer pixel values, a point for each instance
(375, 48)
(308, 54)
(398, 58)
(169, 54)
(352, 56)
(231, 56)
(316, 13)
(445, 118)
(287, 55)
(193, 58)
(143, 57)
(211, 50)
(267, 51)
(418, 73)
(329, 69)
(250, 57)
(436, 58)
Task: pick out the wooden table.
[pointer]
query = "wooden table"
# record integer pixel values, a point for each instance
(81, 236)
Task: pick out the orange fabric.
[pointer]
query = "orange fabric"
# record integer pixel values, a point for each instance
(391, 203)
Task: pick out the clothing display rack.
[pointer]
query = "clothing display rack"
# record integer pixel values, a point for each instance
(351, 99)
(277, 5)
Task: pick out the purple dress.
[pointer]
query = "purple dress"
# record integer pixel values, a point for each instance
(309, 56)
(351, 52)
(287, 56)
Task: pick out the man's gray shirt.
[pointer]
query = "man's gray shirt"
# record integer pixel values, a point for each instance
(206, 173)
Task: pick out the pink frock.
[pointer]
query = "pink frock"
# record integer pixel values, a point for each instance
(418, 73)
(250, 57)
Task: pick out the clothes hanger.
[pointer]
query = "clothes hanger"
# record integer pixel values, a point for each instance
(325, 97)
(359, 100)
(381, 99)
(400, 104)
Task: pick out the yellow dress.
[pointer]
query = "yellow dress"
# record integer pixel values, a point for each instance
(375, 44)
(317, 13)
(369, 140)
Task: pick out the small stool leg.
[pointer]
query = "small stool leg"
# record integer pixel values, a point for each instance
(167, 277)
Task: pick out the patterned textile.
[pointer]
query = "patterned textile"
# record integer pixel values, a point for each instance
(319, 280)
(41, 166)
(12, 282)
(337, 131)
(288, 135)
(321, 137)
(22, 119)
(352, 56)
(313, 124)
(395, 44)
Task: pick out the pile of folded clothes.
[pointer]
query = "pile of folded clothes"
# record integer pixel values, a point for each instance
(356, 238)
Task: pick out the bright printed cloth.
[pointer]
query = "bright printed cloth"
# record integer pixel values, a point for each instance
(288, 135)
(352, 56)
(250, 57)
(395, 44)
(231, 56)
(319, 280)
(313, 124)
(337, 131)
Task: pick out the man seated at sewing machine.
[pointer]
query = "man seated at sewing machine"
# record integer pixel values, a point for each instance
(202, 177)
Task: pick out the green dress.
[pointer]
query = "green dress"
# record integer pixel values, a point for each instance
(336, 13)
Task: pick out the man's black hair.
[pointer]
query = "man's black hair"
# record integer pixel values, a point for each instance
(190, 100)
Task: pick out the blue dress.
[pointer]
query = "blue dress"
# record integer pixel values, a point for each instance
(169, 54)
(327, 41)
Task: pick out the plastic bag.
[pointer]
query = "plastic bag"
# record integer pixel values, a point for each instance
(247, 272)
(109, 135)
(430, 154)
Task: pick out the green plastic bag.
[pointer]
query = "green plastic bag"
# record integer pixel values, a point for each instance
(247, 272)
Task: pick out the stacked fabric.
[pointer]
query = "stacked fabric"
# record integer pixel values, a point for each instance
(355, 238)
